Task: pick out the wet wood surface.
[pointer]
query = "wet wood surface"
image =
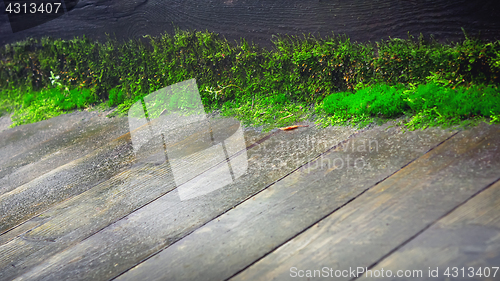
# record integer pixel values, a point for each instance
(463, 245)
(63, 182)
(165, 219)
(391, 213)
(227, 245)
(309, 198)
(60, 149)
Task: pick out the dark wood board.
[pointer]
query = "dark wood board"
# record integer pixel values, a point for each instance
(391, 213)
(258, 20)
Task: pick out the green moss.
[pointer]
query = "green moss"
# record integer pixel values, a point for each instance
(275, 87)
(428, 104)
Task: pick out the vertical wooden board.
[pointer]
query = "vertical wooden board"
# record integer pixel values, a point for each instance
(468, 238)
(392, 212)
(83, 215)
(144, 232)
(228, 244)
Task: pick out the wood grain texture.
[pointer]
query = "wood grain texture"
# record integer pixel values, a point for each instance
(41, 251)
(15, 141)
(65, 181)
(60, 149)
(391, 213)
(224, 246)
(81, 216)
(258, 20)
(468, 237)
(102, 160)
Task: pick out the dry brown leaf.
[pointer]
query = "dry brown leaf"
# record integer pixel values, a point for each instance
(292, 127)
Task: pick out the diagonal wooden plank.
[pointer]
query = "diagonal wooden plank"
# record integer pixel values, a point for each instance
(463, 245)
(22, 138)
(384, 217)
(63, 182)
(252, 138)
(83, 215)
(105, 203)
(59, 150)
(167, 219)
(74, 178)
(226, 245)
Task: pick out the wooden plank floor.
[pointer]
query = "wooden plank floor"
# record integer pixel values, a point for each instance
(310, 199)
(392, 212)
(466, 238)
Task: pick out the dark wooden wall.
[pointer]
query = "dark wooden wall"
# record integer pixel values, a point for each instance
(258, 20)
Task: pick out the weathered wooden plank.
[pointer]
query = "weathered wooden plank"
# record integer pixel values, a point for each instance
(65, 181)
(70, 179)
(83, 215)
(259, 20)
(466, 238)
(392, 212)
(226, 245)
(59, 150)
(167, 219)
(15, 141)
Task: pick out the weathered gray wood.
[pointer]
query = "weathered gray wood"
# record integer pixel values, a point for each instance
(90, 166)
(60, 149)
(167, 219)
(226, 245)
(15, 141)
(69, 179)
(81, 216)
(259, 20)
(392, 212)
(468, 237)
(63, 182)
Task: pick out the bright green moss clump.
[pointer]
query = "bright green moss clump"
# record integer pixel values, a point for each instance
(380, 99)
(429, 104)
(41, 105)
